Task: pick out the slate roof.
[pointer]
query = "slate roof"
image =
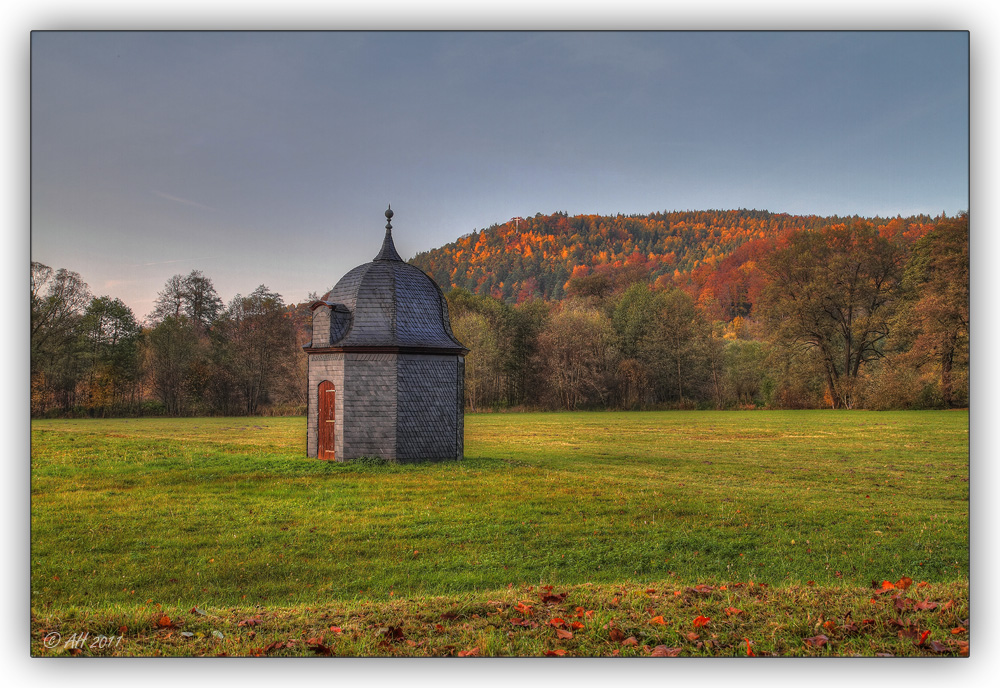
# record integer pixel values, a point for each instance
(392, 303)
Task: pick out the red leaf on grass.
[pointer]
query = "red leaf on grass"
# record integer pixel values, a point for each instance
(701, 621)
(923, 638)
(937, 647)
(817, 641)
(564, 635)
(616, 635)
(925, 606)
(164, 622)
(948, 605)
(557, 621)
(317, 646)
(692, 636)
(439, 628)
(255, 621)
(750, 653)
(963, 648)
(904, 582)
(658, 620)
(338, 629)
(664, 651)
(577, 625)
(956, 631)
(630, 641)
(469, 653)
(523, 609)
(732, 611)
(555, 653)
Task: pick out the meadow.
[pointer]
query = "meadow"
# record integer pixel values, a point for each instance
(604, 533)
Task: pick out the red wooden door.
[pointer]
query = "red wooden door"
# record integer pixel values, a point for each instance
(327, 419)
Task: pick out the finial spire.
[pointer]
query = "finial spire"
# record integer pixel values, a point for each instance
(388, 251)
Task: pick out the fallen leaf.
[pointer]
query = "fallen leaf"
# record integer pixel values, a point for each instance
(439, 628)
(830, 625)
(336, 629)
(937, 647)
(948, 605)
(563, 634)
(923, 638)
(956, 631)
(577, 625)
(164, 622)
(616, 635)
(469, 653)
(701, 621)
(664, 651)
(555, 653)
(692, 636)
(904, 582)
(963, 648)
(521, 608)
(750, 653)
(630, 641)
(817, 641)
(658, 620)
(255, 621)
(925, 606)
(732, 611)
(557, 621)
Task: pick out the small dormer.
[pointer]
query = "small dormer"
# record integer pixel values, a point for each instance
(330, 323)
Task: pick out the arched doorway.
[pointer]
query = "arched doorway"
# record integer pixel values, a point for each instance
(327, 420)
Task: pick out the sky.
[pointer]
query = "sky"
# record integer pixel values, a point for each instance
(269, 157)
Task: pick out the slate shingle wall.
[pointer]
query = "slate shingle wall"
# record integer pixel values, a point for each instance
(428, 425)
(324, 367)
(370, 387)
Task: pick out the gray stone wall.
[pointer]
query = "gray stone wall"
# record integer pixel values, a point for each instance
(430, 423)
(321, 327)
(324, 367)
(370, 388)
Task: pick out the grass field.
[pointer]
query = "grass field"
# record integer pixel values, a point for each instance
(179, 530)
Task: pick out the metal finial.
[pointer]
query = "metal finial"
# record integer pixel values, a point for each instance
(388, 217)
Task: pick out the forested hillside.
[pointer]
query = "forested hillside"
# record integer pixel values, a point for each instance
(712, 310)
(536, 256)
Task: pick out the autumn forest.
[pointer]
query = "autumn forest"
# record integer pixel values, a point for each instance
(700, 310)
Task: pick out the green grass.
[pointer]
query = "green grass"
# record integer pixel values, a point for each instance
(229, 514)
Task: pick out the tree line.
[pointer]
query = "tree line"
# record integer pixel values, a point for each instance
(844, 316)
(853, 314)
(194, 355)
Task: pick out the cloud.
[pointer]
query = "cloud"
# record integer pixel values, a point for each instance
(181, 200)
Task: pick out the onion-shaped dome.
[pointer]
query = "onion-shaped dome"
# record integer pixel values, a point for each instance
(388, 303)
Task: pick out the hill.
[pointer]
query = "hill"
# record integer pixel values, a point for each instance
(537, 256)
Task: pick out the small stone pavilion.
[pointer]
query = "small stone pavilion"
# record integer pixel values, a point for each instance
(386, 374)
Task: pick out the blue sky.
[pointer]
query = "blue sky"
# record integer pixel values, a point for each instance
(269, 157)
